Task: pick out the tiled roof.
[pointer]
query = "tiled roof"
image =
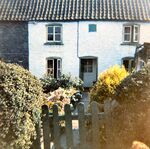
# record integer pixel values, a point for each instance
(24, 10)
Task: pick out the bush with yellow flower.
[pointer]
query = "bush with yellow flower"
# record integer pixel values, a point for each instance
(107, 83)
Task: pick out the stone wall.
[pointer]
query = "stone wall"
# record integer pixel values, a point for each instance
(14, 42)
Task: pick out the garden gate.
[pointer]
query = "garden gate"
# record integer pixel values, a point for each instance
(51, 126)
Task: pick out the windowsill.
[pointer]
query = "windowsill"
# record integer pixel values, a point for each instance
(53, 43)
(130, 43)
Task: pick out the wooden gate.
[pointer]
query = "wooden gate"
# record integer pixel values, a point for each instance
(51, 127)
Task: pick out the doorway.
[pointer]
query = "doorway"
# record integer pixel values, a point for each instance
(88, 70)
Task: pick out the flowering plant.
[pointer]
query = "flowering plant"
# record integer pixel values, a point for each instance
(107, 83)
(59, 97)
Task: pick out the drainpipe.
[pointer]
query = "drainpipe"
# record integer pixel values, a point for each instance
(78, 48)
(78, 39)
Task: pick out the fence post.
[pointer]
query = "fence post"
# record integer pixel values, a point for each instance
(56, 127)
(95, 126)
(68, 125)
(37, 142)
(46, 126)
(108, 121)
(82, 131)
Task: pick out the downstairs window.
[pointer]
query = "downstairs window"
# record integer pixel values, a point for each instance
(54, 67)
(128, 63)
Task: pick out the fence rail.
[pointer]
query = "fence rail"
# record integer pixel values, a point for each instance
(51, 126)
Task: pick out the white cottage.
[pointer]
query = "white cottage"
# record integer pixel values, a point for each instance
(83, 37)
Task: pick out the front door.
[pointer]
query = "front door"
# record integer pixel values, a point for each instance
(88, 71)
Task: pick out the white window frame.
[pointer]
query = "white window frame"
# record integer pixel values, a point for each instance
(59, 68)
(134, 33)
(127, 33)
(53, 69)
(54, 27)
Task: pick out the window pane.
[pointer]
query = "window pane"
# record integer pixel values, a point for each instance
(50, 72)
(50, 29)
(126, 37)
(88, 65)
(58, 37)
(126, 64)
(136, 37)
(136, 29)
(59, 73)
(50, 37)
(127, 29)
(50, 63)
(57, 29)
(58, 64)
(136, 33)
(90, 62)
(92, 28)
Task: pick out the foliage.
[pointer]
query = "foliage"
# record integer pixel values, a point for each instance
(130, 122)
(107, 83)
(20, 102)
(60, 97)
(131, 118)
(135, 87)
(66, 81)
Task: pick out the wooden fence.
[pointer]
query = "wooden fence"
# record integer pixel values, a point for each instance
(51, 126)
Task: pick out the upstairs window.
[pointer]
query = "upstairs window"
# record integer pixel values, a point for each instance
(131, 33)
(127, 33)
(54, 33)
(92, 28)
(136, 33)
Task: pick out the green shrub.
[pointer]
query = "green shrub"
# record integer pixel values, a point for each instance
(135, 87)
(66, 81)
(20, 104)
(130, 120)
(107, 83)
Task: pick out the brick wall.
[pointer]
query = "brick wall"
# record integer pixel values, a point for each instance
(14, 42)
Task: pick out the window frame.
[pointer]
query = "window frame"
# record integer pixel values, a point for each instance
(127, 33)
(59, 68)
(130, 60)
(132, 33)
(53, 69)
(54, 26)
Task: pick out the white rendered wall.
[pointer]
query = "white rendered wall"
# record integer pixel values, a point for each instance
(38, 52)
(104, 44)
